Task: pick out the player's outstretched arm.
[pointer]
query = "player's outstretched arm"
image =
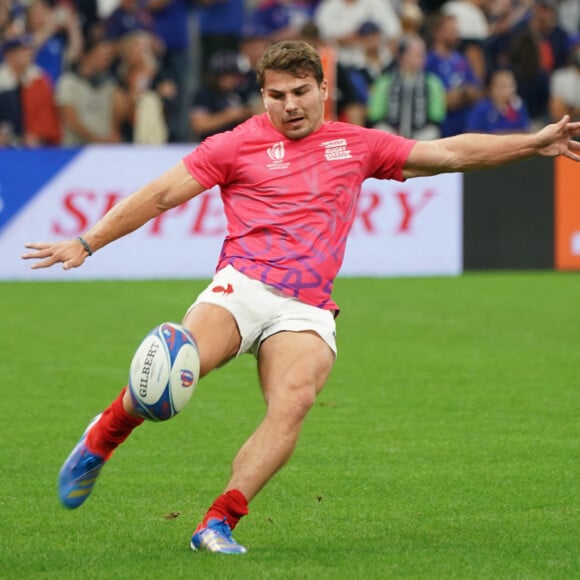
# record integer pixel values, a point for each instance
(171, 189)
(471, 151)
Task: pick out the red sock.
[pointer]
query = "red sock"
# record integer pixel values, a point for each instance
(114, 426)
(231, 505)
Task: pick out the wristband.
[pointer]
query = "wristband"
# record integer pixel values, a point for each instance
(85, 245)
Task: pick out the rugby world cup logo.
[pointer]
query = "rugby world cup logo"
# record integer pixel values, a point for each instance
(276, 152)
(186, 378)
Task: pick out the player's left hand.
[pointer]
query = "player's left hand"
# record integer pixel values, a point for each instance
(70, 253)
(557, 139)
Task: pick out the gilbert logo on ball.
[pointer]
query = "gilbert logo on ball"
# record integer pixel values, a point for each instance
(164, 372)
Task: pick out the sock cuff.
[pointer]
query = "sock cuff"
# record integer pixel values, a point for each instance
(238, 502)
(119, 411)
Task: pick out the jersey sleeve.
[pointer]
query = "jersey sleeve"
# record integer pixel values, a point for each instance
(212, 162)
(388, 154)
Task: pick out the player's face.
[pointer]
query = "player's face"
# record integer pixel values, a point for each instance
(295, 105)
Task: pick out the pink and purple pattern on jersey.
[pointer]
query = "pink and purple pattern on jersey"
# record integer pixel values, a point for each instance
(290, 204)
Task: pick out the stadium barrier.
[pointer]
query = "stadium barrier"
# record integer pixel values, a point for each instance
(400, 229)
(522, 216)
(509, 217)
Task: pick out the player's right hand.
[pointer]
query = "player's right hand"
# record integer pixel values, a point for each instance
(70, 253)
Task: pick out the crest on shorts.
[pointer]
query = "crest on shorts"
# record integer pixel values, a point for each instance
(225, 290)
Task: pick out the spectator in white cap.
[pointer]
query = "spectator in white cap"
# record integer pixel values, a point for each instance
(339, 21)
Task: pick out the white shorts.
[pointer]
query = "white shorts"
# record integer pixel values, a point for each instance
(261, 310)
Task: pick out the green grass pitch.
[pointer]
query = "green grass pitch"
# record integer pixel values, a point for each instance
(445, 445)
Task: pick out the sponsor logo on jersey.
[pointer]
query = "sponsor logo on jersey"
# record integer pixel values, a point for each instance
(335, 150)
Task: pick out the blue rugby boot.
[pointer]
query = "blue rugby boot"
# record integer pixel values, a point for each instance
(79, 472)
(216, 537)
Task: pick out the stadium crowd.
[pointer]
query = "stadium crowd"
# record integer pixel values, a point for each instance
(74, 72)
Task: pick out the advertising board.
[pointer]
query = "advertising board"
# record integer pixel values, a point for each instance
(401, 229)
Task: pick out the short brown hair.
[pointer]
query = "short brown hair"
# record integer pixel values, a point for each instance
(296, 57)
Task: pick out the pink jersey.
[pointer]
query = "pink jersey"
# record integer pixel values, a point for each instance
(290, 204)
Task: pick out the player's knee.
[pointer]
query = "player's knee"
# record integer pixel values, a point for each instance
(304, 402)
(295, 402)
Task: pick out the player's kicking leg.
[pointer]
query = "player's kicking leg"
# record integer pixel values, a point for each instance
(218, 340)
(104, 433)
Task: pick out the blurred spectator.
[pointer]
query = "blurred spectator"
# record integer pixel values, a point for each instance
(565, 87)
(255, 41)
(503, 111)
(57, 36)
(28, 114)
(128, 16)
(554, 41)
(219, 105)
(339, 21)
(505, 15)
(431, 7)
(89, 98)
(345, 102)
(89, 18)
(533, 81)
(406, 100)
(5, 17)
(282, 19)
(569, 16)
(470, 17)
(377, 58)
(145, 92)
(541, 22)
(171, 24)
(412, 18)
(534, 47)
(220, 27)
(461, 85)
(12, 18)
(473, 30)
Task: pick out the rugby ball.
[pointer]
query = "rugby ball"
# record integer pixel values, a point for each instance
(164, 372)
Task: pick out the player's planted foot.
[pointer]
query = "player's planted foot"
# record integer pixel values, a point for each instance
(79, 472)
(216, 536)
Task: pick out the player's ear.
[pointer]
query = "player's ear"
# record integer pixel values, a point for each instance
(264, 99)
(324, 89)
